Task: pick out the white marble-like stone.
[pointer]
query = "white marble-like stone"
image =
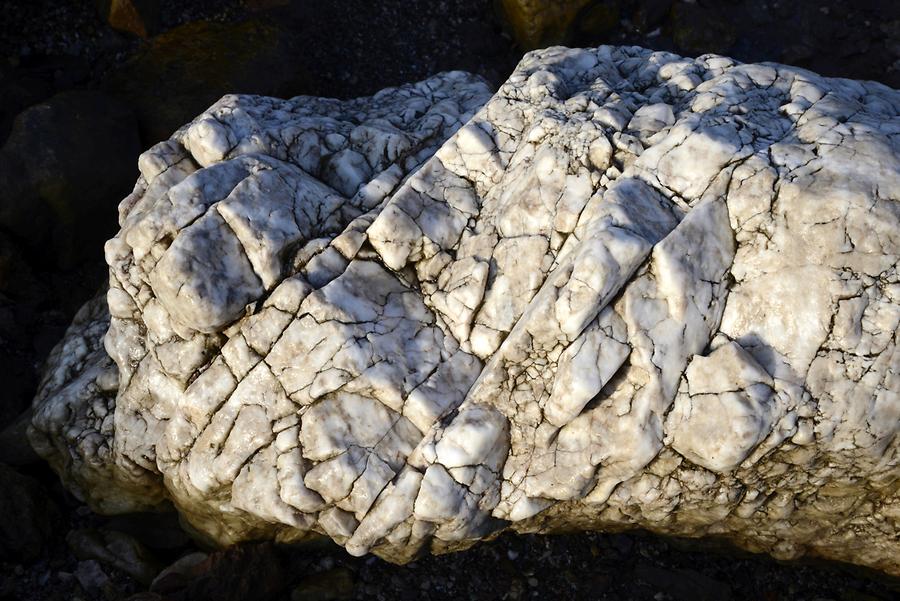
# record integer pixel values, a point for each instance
(631, 289)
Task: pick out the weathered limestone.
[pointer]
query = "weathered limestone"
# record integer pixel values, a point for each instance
(631, 289)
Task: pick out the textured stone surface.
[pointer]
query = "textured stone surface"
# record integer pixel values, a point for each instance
(632, 290)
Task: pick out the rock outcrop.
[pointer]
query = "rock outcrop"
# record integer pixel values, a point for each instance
(629, 290)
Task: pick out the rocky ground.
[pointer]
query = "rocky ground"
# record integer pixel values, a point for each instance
(79, 100)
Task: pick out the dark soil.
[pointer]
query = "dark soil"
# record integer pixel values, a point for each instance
(347, 48)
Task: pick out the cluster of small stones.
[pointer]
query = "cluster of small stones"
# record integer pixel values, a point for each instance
(628, 290)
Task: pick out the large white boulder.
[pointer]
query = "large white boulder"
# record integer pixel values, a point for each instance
(630, 290)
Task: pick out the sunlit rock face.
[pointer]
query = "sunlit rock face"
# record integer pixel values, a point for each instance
(629, 290)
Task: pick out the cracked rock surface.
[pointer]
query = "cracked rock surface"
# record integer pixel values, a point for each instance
(628, 290)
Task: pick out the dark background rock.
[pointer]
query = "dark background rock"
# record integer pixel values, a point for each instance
(245, 572)
(698, 29)
(27, 516)
(95, 581)
(64, 164)
(139, 17)
(158, 531)
(336, 584)
(682, 584)
(179, 575)
(539, 23)
(184, 70)
(14, 447)
(115, 549)
(600, 19)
